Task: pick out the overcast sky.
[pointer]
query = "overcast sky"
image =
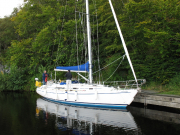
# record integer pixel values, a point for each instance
(7, 6)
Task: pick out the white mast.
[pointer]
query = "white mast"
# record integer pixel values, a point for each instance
(89, 41)
(122, 39)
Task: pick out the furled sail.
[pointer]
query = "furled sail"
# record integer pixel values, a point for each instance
(79, 68)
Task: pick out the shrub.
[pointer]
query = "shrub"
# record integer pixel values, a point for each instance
(14, 80)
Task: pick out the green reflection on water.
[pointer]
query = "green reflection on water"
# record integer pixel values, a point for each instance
(18, 115)
(17, 112)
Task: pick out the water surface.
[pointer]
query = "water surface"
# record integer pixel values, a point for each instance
(28, 114)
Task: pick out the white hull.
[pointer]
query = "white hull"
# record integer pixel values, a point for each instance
(115, 118)
(88, 95)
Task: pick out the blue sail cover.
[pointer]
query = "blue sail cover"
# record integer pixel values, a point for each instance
(84, 67)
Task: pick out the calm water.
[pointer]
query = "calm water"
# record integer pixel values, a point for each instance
(28, 114)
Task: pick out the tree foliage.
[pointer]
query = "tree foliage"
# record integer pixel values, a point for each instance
(48, 33)
(153, 37)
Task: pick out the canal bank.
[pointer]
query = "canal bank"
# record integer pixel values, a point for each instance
(153, 98)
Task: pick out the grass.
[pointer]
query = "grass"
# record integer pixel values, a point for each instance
(171, 93)
(169, 89)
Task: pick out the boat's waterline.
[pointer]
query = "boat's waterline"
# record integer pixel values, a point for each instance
(94, 105)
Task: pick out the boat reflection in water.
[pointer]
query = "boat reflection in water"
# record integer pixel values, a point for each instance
(86, 120)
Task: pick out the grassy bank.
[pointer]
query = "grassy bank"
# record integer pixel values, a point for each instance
(169, 89)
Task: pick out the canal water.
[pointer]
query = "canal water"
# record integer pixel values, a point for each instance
(28, 114)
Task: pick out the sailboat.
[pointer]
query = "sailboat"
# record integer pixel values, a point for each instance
(87, 117)
(89, 94)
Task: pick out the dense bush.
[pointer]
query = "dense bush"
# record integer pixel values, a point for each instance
(14, 80)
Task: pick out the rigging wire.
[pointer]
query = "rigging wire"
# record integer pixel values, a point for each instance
(80, 32)
(112, 63)
(81, 16)
(93, 43)
(76, 35)
(97, 37)
(82, 25)
(84, 30)
(61, 33)
(116, 69)
(76, 38)
(67, 43)
(56, 35)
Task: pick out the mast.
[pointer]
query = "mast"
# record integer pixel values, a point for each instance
(123, 42)
(89, 41)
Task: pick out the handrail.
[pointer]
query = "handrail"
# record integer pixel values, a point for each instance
(125, 84)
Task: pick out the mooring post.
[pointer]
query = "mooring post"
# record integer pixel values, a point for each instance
(145, 103)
